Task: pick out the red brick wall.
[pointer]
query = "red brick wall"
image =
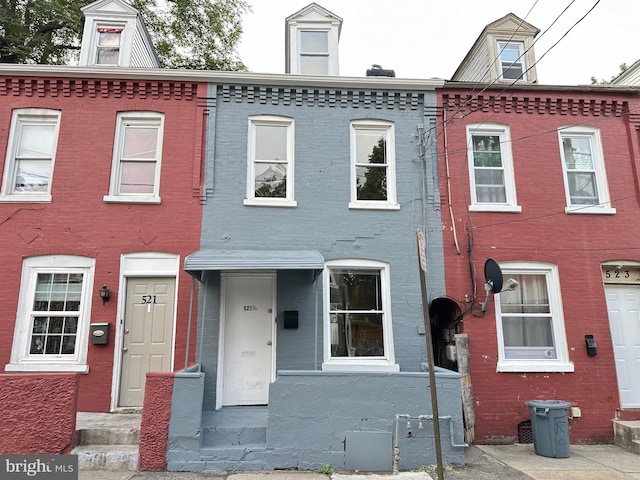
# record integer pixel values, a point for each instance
(38, 413)
(79, 222)
(154, 428)
(577, 244)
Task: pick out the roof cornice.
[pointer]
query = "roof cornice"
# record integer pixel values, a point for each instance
(209, 76)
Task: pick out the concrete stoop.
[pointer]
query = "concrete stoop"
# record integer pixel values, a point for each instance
(107, 441)
(627, 434)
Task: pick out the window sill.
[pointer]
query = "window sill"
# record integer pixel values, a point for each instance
(495, 208)
(371, 366)
(598, 210)
(254, 202)
(25, 198)
(46, 367)
(373, 206)
(131, 199)
(534, 366)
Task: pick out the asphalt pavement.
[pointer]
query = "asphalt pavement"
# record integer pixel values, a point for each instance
(482, 462)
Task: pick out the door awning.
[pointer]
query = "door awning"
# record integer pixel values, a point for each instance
(209, 259)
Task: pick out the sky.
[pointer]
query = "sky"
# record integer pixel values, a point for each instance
(422, 39)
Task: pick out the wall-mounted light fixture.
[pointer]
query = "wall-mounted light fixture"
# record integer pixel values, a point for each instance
(105, 294)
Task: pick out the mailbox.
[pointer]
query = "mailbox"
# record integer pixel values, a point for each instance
(100, 333)
(591, 345)
(290, 319)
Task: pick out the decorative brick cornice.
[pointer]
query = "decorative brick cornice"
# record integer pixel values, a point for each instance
(463, 104)
(93, 88)
(321, 97)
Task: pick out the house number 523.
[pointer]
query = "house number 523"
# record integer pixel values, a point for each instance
(148, 299)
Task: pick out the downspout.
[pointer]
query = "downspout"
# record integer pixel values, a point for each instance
(446, 162)
(186, 354)
(202, 320)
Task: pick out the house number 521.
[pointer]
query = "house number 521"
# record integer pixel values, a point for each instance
(148, 299)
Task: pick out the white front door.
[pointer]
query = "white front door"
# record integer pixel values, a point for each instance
(147, 343)
(623, 304)
(247, 327)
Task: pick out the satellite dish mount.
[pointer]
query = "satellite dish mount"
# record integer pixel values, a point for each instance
(493, 281)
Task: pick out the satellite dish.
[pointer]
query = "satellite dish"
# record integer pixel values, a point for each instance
(493, 275)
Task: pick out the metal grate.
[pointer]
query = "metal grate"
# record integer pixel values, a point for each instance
(525, 434)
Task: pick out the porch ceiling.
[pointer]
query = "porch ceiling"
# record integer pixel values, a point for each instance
(209, 259)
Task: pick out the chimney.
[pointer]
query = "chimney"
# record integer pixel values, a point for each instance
(378, 71)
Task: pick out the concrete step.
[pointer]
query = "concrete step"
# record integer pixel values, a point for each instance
(107, 457)
(108, 436)
(627, 434)
(107, 441)
(214, 436)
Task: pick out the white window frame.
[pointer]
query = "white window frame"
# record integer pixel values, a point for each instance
(256, 121)
(302, 53)
(21, 360)
(388, 128)
(504, 134)
(144, 119)
(383, 363)
(559, 364)
(593, 135)
(21, 117)
(502, 45)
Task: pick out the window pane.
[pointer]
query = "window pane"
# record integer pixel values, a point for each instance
(527, 332)
(54, 335)
(490, 186)
(271, 180)
(577, 153)
(140, 143)
(108, 56)
(32, 175)
(36, 141)
(271, 142)
(109, 39)
(582, 188)
(357, 335)
(353, 289)
(314, 64)
(531, 296)
(371, 183)
(314, 42)
(137, 177)
(486, 151)
(370, 146)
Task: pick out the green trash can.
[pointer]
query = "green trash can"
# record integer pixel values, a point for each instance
(550, 426)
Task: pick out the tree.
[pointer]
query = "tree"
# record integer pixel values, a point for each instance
(192, 34)
(594, 80)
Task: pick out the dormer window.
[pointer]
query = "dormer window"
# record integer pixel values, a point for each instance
(108, 49)
(311, 41)
(512, 65)
(314, 52)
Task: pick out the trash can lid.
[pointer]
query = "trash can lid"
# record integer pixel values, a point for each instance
(548, 404)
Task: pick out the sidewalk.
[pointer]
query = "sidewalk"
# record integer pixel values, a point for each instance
(482, 462)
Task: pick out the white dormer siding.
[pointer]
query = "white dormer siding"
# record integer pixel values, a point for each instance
(502, 53)
(115, 35)
(311, 41)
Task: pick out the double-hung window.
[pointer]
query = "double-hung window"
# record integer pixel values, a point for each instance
(491, 168)
(530, 321)
(512, 66)
(373, 165)
(313, 52)
(358, 327)
(53, 314)
(270, 162)
(583, 170)
(108, 46)
(31, 153)
(135, 170)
